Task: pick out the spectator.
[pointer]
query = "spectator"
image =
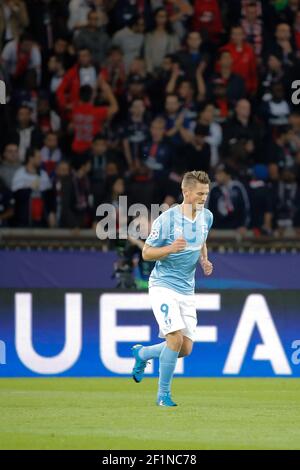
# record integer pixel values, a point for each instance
(197, 153)
(253, 29)
(79, 212)
(25, 134)
(101, 155)
(125, 10)
(243, 57)
(274, 73)
(214, 135)
(276, 110)
(193, 55)
(296, 29)
(87, 119)
(13, 20)
(64, 50)
(10, 164)
(47, 21)
(229, 202)
(130, 40)
(57, 71)
(78, 12)
(280, 154)
(242, 143)
(286, 201)
(135, 133)
(207, 19)
(160, 41)
(33, 193)
(157, 151)
(22, 57)
(113, 71)
(63, 185)
(6, 205)
(93, 38)
(179, 129)
(51, 154)
(235, 85)
(179, 12)
(282, 47)
(261, 201)
(82, 73)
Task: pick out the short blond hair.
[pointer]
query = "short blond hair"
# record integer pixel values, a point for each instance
(192, 177)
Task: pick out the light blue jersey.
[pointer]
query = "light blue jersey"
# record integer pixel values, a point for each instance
(177, 270)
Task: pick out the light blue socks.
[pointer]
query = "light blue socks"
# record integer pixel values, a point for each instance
(151, 352)
(167, 364)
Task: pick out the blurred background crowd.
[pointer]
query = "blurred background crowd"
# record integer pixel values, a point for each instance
(121, 97)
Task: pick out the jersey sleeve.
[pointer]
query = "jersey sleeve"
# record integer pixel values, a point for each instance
(155, 237)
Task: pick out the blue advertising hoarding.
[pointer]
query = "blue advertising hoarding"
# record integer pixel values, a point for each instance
(89, 332)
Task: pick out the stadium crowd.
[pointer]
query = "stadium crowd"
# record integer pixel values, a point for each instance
(121, 97)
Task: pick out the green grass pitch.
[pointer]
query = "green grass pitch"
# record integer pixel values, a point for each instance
(116, 413)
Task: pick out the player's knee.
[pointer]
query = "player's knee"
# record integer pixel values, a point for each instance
(175, 340)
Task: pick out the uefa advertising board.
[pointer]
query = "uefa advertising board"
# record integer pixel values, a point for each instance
(89, 332)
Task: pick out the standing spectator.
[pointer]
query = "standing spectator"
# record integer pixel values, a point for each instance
(207, 19)
(126, 10)
(130, 40)
(47, 21)
(10, 163)
(80, 197)
(160, 41)
(286, 201)
(93, 37)
(244, 61)
(157, 151)
(214, 135)
(13, 20)
(235, 85)
(193, 55)
(26, 134)
(51, 153)
(179, 11)
(179, 128)
(87, 119)
(134, 134)
(261, 201)
(33, 193)
(242, 142)
(229, 202)
(198, 151)
(280, 154)
(113, 71)
(101, 155)
(22, 57)
(253, 29)
(82, 73)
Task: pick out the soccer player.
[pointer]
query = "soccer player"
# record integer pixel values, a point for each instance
(176, 242)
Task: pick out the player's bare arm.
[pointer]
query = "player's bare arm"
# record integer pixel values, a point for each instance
(207, 266)
(156, 253)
